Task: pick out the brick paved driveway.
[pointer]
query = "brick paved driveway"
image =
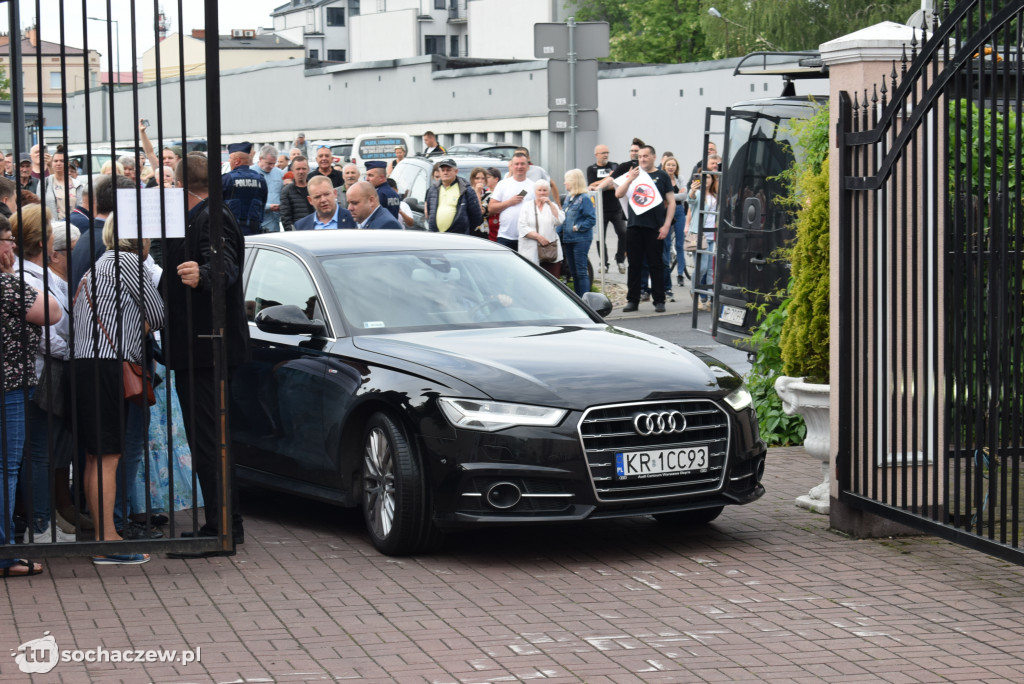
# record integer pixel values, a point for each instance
(766, 593)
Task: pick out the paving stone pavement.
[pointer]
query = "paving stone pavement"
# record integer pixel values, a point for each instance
(765, 593)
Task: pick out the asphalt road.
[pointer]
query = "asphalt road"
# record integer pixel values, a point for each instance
(676, 328)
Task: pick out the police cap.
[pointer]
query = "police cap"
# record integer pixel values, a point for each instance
(245, 147)
(376, 165)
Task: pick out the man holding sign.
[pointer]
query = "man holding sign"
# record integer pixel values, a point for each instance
(652, 204)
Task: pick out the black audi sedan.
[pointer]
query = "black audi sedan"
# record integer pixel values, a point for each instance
(442, 381)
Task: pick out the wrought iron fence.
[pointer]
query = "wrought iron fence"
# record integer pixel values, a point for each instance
(58, 432)
(932, 284)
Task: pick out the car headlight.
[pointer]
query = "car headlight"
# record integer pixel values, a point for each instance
(739, 399)
(490, 416)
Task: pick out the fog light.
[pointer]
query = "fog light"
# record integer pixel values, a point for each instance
(503, 495)
(759, 470)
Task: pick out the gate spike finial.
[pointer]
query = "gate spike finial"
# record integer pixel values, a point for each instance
(945, 8)
(856, 105)
(893, 77)
(913, 43)
(884, 91)
(903, 61)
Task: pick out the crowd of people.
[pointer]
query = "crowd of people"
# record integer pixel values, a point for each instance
(74, 287)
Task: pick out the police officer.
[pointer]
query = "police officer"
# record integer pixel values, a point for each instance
(376, 173)
(245, 190)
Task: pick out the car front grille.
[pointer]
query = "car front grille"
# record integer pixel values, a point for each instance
(608, 430)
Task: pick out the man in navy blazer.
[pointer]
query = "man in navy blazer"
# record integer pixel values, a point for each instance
(365, 207)
(327, 215)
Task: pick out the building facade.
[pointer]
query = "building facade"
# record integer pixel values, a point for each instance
(42, 70)
(240, 48)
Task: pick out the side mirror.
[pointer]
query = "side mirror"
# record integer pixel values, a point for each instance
(414, 204)
(288, 319)
(597, 302)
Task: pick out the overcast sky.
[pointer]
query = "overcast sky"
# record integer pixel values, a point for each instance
(234, 14)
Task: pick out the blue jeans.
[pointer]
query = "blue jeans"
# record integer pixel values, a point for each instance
(131, 460)
(14, 444)
(679, 231)
(705, 279)
(511, 244)
(576, 260)
(38, 462)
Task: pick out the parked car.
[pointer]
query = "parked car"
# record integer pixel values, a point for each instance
(92, 161)
(442, 382)
(341, 151)
(413, 177)
(488, 149)
(378, 147)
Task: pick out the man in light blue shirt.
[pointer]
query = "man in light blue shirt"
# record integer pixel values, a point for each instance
(327, 215)
(266, 166)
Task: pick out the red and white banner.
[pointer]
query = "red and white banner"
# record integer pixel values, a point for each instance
(643, 194)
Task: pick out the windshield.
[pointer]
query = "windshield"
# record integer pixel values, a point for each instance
(388, 292)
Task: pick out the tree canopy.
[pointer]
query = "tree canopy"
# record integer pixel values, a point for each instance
(672, 31)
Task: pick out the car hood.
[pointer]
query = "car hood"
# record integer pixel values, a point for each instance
(563, 366)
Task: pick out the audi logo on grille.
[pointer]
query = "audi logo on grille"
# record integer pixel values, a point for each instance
(659, 423)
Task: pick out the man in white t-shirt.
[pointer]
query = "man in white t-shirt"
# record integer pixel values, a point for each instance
(509, 197)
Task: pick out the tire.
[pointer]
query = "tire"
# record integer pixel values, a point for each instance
(701, 516)
(395, 502)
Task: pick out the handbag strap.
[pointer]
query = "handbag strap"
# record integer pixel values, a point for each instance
(98, 319)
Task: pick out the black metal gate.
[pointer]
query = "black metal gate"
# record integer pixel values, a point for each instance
(931, 288)
(60, 61)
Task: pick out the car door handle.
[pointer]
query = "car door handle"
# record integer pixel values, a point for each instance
(758, 262)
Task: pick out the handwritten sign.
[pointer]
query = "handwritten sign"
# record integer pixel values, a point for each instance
(155, 214)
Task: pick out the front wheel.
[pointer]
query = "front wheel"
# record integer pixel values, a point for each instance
(396, 505)
(701, 516)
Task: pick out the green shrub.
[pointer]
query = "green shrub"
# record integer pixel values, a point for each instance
(777, 428)
(805, 333)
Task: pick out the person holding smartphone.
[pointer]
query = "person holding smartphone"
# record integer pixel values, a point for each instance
(508, 199)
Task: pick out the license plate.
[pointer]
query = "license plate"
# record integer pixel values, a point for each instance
(657, 462)
(732, 314)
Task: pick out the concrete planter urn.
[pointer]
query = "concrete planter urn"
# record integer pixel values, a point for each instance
(811, 401)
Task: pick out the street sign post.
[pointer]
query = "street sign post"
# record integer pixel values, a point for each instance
(571, 49)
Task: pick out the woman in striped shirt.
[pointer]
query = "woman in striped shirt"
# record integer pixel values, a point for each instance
(115, 306)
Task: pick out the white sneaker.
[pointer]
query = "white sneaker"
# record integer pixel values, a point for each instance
(62, 536)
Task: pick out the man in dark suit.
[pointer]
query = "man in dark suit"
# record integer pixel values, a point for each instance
(327, 215)
(188, 347)
(366, 210)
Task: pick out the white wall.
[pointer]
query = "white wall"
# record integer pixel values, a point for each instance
(388, 35)
(499, 29)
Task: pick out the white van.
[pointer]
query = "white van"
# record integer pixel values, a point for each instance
(378, 147)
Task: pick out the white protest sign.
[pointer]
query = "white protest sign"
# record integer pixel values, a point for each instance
(130, 223)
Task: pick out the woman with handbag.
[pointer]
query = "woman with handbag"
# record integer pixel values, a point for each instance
(45, 413)
(115, 305)
(538, 235)
(23, 310)
(577, 230)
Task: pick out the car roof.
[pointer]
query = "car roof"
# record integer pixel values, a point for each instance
(316, 243)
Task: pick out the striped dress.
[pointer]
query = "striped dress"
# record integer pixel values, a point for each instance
(120, 305)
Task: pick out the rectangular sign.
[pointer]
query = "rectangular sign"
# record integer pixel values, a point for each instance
(129, 224)
(586, 84)
(558, 122)
(591, 38)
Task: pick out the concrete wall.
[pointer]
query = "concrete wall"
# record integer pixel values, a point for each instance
(498, 102)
